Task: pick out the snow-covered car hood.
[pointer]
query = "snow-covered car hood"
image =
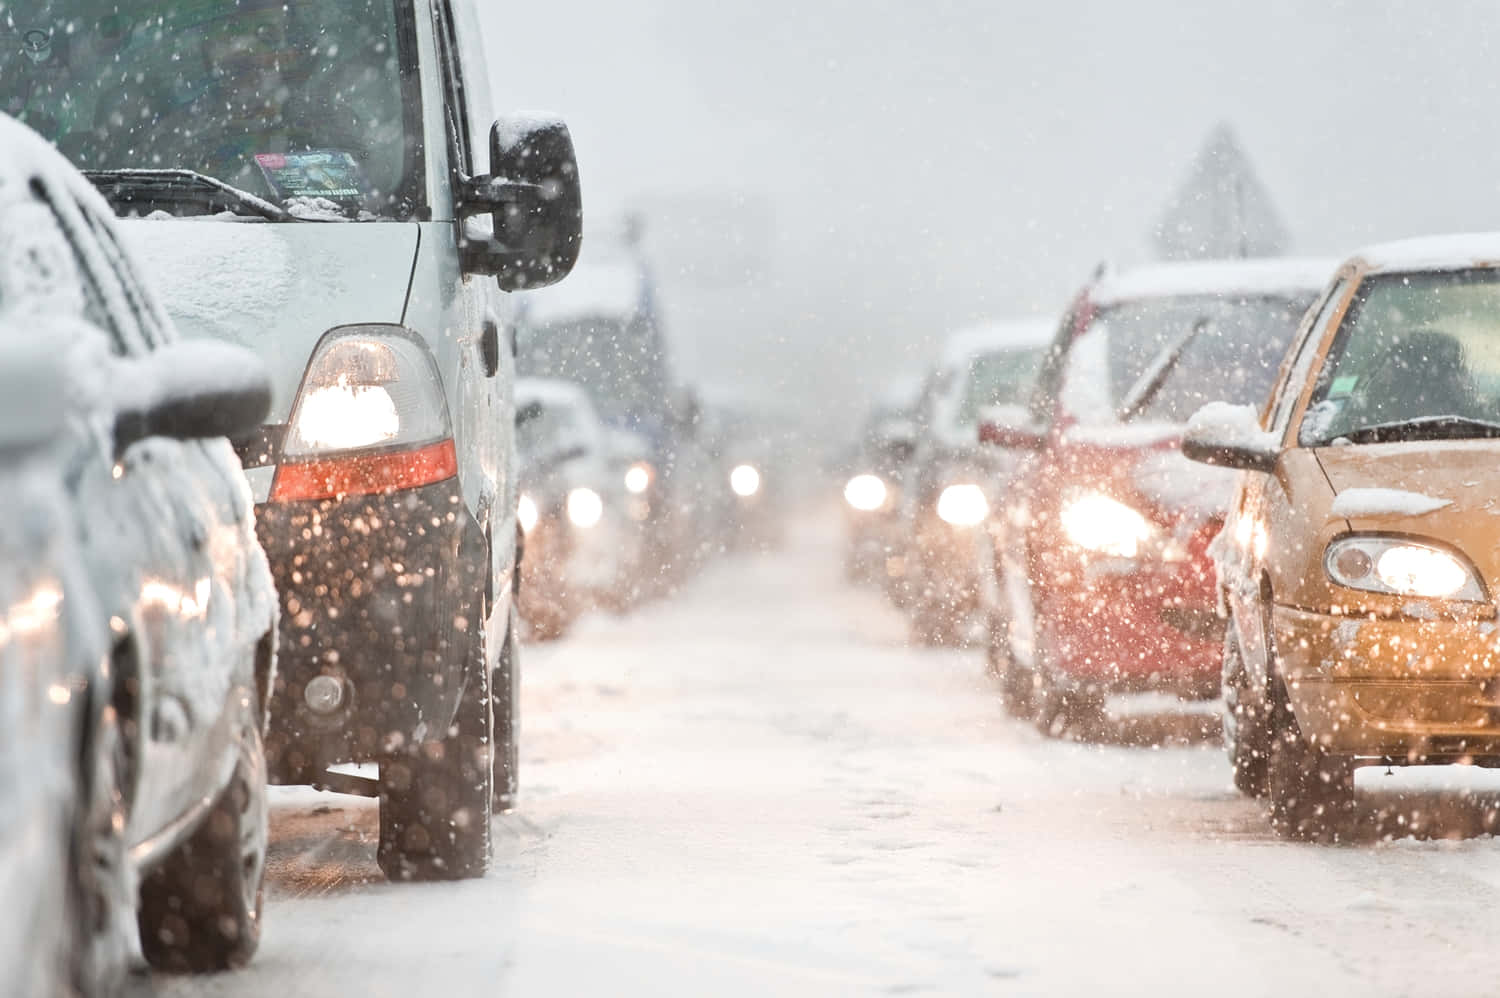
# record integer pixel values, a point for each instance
(1443, 489)
(275, 288)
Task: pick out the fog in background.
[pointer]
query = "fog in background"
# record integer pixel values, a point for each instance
(830, 187)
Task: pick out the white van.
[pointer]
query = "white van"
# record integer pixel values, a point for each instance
(324, 181)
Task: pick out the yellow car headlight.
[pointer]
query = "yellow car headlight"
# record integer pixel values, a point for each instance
(1103, 525)
(1401, 567)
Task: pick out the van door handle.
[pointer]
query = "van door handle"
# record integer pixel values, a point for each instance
(489, 346)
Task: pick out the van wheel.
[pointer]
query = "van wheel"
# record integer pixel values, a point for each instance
(1247, 733)
(435, 802)
(1311, 791)
(200, 909)
(505, 688)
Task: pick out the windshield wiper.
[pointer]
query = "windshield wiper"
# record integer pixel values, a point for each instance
(147, 189)
(1149, 385)
(1421, 428)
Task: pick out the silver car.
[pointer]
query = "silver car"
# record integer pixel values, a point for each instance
(129, 553)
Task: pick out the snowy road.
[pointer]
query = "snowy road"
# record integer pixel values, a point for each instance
(758, 789)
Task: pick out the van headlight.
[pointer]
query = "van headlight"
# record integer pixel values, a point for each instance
(963, 505)
(585, 508)
(1104, 525)
(1401, 567)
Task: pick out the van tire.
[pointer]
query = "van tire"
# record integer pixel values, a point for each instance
(435, 801)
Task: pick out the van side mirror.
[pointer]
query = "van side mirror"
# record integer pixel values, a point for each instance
(535, 203)
(191, 390)
(1229, 436)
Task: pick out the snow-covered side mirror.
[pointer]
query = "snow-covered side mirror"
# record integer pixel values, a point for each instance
(1011, 426)
(1230, 436)
(190, 390)
(535, 203)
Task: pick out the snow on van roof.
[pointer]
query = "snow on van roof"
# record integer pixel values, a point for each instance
(1450, 252)
(1215, 277)
(993, 337)
(617, 288)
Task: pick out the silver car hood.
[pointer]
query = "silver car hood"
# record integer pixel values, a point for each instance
(275, 287)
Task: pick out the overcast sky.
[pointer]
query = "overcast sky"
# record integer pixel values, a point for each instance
(882, 171)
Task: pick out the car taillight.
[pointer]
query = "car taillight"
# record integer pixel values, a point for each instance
(370, 418)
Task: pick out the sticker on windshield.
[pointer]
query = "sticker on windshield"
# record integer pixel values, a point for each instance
(332, 175)
(1343, 385)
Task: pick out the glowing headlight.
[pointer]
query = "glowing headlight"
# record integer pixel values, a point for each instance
(745, 481)
(527, 514)
(866, 493)
(344, 416)
(1106, 526)
(638, 478)
(585, 508)
(1401, 568)
(963, 505)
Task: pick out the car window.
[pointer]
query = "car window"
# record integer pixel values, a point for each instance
(1411, 348)
(1291, 387)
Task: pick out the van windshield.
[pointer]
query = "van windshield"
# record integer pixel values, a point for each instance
(282, 98)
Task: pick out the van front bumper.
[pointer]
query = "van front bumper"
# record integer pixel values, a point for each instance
(382, 594)
(1397, 689)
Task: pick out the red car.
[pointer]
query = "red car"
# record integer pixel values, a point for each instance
(1104, 583)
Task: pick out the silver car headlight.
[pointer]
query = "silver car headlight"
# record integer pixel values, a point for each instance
(585, 508)
(866, 493)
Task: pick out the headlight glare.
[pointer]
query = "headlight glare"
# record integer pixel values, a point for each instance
(745, 481)
(963, 505)
(585, 508)
(1401, 567)
(1103, 525)
(527, 513)
(866, 493)
(638, 478)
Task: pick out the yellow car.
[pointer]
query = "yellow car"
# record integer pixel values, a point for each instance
(1359, 562)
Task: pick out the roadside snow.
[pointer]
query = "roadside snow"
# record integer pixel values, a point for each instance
(1352, 503)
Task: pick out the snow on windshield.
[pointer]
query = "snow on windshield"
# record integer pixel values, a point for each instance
(229, 91)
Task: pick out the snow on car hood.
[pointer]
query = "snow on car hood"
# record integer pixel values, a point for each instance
(275, 288)
(1444, 488)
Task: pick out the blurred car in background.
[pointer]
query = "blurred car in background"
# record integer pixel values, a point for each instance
(1361, 558)
(601, 330)
(872, 497)
(582, 547)
(1104, 584)
(954, 479)
(136, 537)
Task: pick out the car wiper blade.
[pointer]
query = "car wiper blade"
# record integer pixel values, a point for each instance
(146, 188)
(1149, 384)
(1422, 428)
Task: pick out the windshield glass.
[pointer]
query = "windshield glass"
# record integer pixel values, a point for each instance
(619, 363)
(1412, 347)
(282, 98)
(1000, 378)
(1231, 348)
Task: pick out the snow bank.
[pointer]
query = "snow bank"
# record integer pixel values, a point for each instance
(1353, 503)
